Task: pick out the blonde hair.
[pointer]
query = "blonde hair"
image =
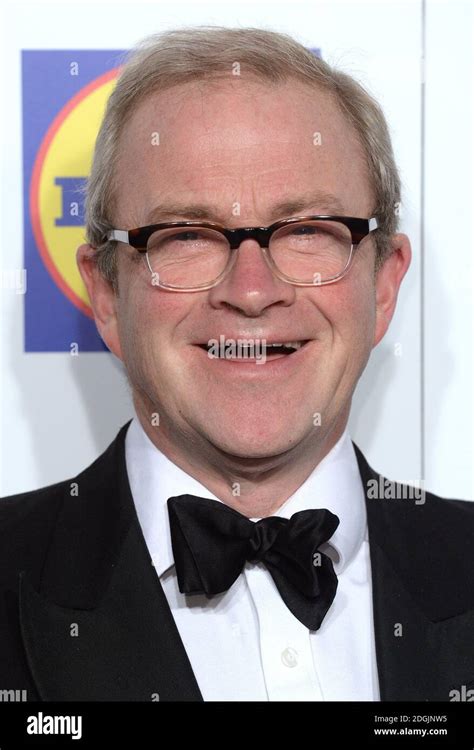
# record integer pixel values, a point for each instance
(179, 56)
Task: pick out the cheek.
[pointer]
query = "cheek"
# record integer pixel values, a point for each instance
(149, 324)
(349, 309)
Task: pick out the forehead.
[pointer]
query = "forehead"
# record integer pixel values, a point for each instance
(239, 139)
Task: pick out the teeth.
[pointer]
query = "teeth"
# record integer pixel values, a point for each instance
(291, 345)
(287, 345)
(294, 344)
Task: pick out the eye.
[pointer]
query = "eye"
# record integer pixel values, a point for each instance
(188, 236)
(179, 238)
(306, 229)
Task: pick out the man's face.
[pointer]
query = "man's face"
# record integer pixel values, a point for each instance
(252, 145)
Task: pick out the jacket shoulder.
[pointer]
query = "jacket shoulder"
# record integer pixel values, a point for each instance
(403, 500)
(28, 519)
(25, 506)
(26, 523)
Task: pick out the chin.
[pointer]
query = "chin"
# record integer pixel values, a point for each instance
(255, 443)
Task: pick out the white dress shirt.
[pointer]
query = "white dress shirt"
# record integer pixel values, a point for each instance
(245, 644)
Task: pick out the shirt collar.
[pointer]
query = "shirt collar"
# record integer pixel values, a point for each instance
(334, 484)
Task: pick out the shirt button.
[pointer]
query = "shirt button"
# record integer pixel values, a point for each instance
(289, 657)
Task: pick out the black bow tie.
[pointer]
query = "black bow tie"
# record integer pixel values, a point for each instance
(211, 543)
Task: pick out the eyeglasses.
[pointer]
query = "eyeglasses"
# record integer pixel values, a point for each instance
(186, 256)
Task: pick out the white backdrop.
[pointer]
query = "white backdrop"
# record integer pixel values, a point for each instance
(412, 414)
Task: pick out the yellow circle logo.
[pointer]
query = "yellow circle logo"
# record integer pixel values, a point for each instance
(63, 162)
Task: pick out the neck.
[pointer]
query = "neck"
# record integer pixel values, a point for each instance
(255, 487)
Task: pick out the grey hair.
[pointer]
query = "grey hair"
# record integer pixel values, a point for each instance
(179, 56)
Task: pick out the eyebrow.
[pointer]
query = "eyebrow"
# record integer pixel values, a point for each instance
(326, 203)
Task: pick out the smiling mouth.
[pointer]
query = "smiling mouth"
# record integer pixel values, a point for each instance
(243, 351)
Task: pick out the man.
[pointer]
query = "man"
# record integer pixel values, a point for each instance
(170, 568)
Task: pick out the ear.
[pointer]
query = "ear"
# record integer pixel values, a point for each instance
(102, 296)
(387, 283)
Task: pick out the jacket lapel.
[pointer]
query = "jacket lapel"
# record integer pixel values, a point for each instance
(99, 628)
(422, 593)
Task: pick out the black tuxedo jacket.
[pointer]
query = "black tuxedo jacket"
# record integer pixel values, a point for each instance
(83, 615)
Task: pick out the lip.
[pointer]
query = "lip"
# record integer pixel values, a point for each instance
(279, 365)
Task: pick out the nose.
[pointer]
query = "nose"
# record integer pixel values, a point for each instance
(250, 286)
